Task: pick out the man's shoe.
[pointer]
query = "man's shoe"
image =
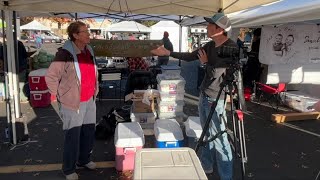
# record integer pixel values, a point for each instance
(209, 171)
(91, 165)
(73, 176)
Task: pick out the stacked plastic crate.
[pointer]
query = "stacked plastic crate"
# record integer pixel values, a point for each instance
(171, 88)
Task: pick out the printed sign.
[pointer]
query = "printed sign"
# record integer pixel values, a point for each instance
(124, 48)
(290, 44)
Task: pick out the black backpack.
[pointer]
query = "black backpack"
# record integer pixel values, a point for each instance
(105, 128)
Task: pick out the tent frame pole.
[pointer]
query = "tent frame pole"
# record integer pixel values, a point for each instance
(16, 53)
(180, 37)
(11, 73)
(5, 69)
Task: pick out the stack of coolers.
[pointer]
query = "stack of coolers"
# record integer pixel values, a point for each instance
(128, 139)
(168, 133)
(193, 130)
(171, 88)
(39, 92)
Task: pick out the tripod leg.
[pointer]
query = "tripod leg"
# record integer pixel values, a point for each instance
(242, 143)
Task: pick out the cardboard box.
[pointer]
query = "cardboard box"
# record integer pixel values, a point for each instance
(138, 106)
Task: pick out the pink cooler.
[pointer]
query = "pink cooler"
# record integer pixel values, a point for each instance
(37, 80)
(40, 98)
(128, 139)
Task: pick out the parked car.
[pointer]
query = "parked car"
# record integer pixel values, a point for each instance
(50, 37)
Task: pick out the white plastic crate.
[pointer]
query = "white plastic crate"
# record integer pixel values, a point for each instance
(170, 85)
(173, 164)
(170, 106)
(171, 70)
(146, 120)
(163, 115)
(172, 96)
(299, 101)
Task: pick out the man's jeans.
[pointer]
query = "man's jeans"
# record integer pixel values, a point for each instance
(217, 151)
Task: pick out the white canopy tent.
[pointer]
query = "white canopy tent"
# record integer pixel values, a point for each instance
(165, 7)
(284, 11)
(128, 26)
(35, 25)
(173, 29)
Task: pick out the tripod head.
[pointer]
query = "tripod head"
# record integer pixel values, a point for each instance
(233, 80)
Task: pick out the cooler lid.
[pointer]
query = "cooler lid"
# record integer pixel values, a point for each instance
(167, 130)
(170, 163)
(128, 134)
(170, 67)
(193, 127)
(39, 72)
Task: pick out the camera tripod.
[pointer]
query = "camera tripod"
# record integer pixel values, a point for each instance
(233, 82)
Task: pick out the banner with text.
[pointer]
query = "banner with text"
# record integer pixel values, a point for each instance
(290, 44)
(124, 48)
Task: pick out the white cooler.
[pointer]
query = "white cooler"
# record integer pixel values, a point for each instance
(128, 139)
(168, 164)
(168, 133)
(193, 130)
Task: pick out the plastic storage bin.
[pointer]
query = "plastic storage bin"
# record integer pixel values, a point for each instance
(172, 96)
(40, 98)
(168, 133)
(173, 164)
(170, 85)
(128, 139)
(146, 120)
(170, 106)
(299, 101)
(168, 115)
(171, 71)
(37, 80)
(193, 130)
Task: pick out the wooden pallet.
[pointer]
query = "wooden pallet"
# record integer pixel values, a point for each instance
(280, 118)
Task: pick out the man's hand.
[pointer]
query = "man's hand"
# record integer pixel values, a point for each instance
(160, 51)
(316, 106)
(202, 55)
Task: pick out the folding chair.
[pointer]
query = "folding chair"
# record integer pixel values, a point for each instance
(270, 93)
(140, 80)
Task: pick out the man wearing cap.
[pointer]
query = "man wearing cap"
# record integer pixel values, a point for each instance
(215, 55)
(163, 60)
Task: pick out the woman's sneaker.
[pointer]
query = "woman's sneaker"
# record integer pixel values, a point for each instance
(73, 176)
(91, 165)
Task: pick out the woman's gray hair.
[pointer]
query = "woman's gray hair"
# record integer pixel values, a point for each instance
(74, 28)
